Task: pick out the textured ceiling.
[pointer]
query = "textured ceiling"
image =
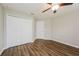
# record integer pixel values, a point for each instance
(36, 9)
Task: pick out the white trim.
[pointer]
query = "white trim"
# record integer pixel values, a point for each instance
(70, 45)
(66, 43)
(1, 51)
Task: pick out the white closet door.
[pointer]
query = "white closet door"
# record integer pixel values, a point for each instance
(19, 31)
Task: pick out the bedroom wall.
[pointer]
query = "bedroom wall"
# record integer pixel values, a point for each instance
(48, 29)
(40, 29)
(1, 28)
(43, 29)
(65, 28)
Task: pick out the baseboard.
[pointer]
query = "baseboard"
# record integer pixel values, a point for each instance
(1, 51)
(67, 44)
(71, 45)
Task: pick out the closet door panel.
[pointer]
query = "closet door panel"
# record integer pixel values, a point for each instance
(19, 31)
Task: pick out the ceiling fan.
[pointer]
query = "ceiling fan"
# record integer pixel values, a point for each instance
(55, 7)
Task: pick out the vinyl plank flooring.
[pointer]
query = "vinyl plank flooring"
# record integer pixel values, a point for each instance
(26, 50)
(42, 47)
(19, 52)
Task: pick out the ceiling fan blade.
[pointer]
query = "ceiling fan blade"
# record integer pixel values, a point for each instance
(49, 3)
(46, 9)
(65, 4)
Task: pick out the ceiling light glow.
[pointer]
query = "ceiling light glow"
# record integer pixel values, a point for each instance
(55, 7)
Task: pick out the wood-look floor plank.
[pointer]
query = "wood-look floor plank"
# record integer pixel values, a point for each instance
(14, 52)
(19, 51)
(10, 51)
(26, 50)
(32, 53)
(22, 51)
(42, 50)
(51, 52)
(55, 50)
(35, 50)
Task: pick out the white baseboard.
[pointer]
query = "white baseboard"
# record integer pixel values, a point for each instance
(67, 44)
(1, 51)
(71, 45)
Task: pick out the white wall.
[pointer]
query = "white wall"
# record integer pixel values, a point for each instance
(1, 28)
(40, 29)
(48, 29)
(65, 28)
(43, 29)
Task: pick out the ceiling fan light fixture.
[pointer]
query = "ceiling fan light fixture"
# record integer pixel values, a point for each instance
(55, 7)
